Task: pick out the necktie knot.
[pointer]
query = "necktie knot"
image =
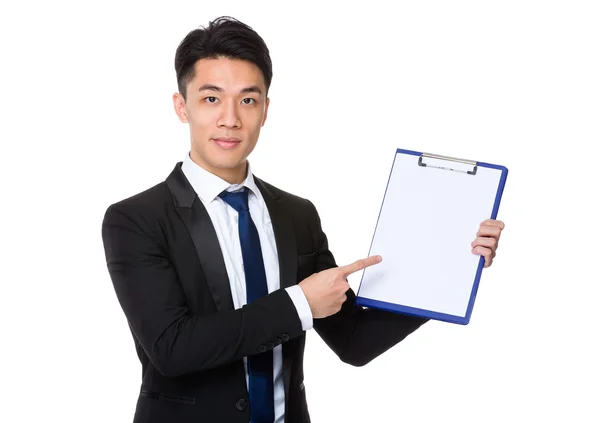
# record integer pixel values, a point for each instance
(238, 200)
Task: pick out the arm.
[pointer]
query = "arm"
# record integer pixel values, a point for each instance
(154, 303)
(355, 334)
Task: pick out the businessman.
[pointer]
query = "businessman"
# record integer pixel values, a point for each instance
(220, 274)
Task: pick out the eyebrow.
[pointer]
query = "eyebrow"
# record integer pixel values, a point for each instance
(211, 87)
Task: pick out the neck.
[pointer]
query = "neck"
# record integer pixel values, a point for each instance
(235, 175)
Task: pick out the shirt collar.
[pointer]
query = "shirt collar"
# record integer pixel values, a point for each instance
(208, 185)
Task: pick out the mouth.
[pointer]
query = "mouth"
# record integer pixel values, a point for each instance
(227, 143)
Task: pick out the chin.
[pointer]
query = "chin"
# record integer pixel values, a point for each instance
(228, 164)
(222, 159)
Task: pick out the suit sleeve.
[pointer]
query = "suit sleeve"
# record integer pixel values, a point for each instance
(154, 303)
(356, 334)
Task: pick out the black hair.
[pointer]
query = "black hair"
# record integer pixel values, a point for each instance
(225, 37)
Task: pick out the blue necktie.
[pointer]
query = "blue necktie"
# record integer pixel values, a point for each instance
(260, 366)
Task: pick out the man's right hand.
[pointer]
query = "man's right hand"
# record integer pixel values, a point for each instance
(326, 290)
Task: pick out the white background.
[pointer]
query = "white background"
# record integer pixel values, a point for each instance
(87, 120)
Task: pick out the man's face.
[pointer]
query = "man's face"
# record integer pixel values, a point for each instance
(226, 107)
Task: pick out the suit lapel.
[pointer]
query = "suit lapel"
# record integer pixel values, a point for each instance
(200, 227)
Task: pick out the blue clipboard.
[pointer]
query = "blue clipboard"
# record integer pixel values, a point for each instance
(432, 208)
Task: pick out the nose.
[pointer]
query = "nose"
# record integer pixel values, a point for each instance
(229, 117)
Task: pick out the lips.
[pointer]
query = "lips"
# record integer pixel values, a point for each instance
(227, 143)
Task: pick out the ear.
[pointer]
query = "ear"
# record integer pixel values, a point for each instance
(179, 105)
(266, 112)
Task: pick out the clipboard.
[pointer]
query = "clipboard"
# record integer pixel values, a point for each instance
(431, 211)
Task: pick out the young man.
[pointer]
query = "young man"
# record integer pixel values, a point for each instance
(220, 273)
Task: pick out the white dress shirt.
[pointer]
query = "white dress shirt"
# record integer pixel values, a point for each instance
(225, 220)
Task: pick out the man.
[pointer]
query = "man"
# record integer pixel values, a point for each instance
(220, 274)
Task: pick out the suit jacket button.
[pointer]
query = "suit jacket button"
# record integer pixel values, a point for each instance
(277, 341)
(285, 337)
(262, 348)
(241, 404)
(270, 345)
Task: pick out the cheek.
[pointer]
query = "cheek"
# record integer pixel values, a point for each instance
(201, 131)
(202, 117)
(201, 121)
(254, 122)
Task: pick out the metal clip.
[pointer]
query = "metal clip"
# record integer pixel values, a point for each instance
(451, 159)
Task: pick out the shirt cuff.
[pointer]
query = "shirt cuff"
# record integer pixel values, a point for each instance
(302, 307)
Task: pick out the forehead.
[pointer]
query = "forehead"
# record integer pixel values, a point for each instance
(229, 74)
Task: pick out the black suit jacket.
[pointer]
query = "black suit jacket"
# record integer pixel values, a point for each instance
(169, 276)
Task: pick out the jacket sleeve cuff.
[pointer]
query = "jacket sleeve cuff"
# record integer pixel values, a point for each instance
(299, 299)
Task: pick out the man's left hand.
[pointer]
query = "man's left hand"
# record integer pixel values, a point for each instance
(487, 239)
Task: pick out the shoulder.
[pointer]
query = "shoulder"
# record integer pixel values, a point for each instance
(145, 206)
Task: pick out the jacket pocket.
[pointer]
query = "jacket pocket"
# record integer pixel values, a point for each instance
(168, 397)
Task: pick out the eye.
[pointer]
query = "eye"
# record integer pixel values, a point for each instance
(211, 99)
(248, 101)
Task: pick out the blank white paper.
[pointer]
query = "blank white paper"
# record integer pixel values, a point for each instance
(428, 219)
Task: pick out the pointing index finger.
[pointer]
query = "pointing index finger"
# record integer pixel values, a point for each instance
(360, 265)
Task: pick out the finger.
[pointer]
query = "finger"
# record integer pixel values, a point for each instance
(360, 265)
(486, 253)
(491, 231)
(491, 243)
(342, 298)
(493, 222)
